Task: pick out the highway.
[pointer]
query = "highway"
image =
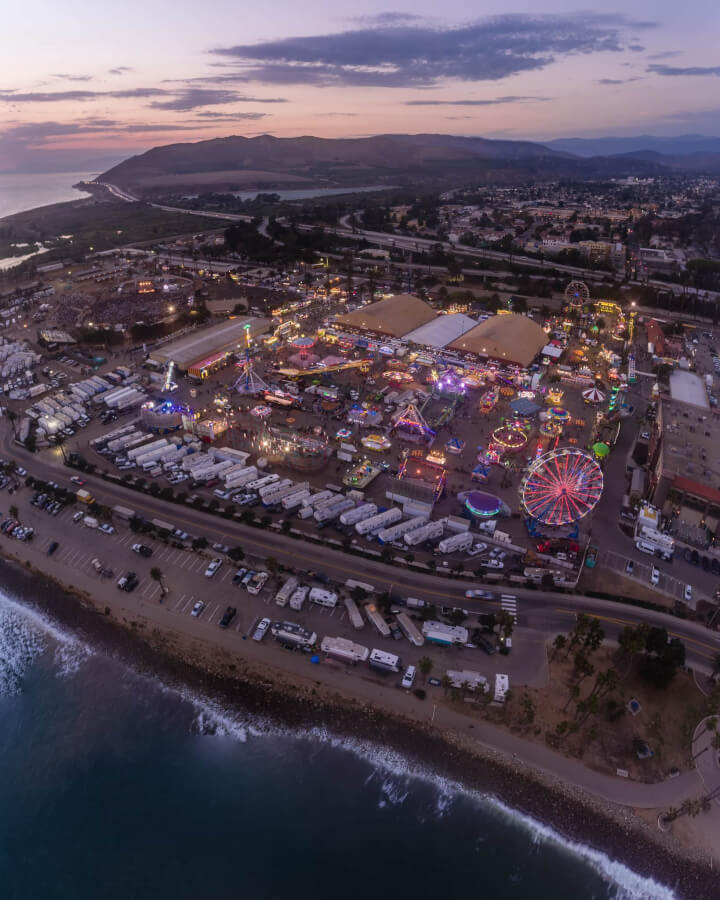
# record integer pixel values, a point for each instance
(403, 242)
(547, 612)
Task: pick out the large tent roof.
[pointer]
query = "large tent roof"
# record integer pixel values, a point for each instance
(202, 343)
(438, 332)
(509, 338)
(394, 316)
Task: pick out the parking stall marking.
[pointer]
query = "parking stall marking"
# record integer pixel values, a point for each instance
(182, 598)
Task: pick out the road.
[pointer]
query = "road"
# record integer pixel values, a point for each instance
(547, 612)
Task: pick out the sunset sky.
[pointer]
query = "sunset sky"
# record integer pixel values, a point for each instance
(86, 83)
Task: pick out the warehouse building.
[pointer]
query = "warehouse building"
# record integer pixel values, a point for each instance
(206, 351)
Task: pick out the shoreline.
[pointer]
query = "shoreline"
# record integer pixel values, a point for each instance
(576, 817)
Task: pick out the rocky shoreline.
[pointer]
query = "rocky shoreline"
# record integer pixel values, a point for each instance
(612, 830)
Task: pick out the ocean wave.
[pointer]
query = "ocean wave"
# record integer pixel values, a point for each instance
(25, 634)
(20, 644)
(395, 773)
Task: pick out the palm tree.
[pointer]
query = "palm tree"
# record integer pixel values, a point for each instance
(425, 665)
(157, 575)
(13, 512)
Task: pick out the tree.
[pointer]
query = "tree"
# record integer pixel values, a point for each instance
(236, 553)
(506, 623)
(425, 664)
(558, 644)
(594, 636)
(547, 582)
(13, 512)
(157, 575)
(271, 564)
(582, 667)
(359, 595)
(199, 543)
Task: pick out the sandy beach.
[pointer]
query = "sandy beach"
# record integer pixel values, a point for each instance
(286, 691)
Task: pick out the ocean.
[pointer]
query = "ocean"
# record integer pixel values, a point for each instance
(115, 785)
(19, 192)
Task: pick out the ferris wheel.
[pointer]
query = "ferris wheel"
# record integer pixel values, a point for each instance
(577, 293)
(561, 487)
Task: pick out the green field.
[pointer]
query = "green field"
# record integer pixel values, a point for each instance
(96, 223)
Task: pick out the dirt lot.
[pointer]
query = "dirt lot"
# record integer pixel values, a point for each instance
(605, 740)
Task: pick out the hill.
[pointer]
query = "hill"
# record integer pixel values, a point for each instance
(431, 160)
(681, 145)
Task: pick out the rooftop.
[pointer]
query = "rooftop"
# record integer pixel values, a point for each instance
(395, 316)
(687, 387)
(204, 343)
(439, 332)
(510, 338)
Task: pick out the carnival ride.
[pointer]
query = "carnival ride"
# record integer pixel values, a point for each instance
(593, 395)
(249, 382)
(411, 426)
(511, 436)
(561, 487)
(481, 505)
(376, 442)
(488, 401)
(577, 293)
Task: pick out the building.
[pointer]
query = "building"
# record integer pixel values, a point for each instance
(511, 339)
(683, 460)
(393, 317)
(206, 350)
(441, 330)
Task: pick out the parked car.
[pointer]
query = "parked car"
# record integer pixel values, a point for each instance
(142, 549)
(261, 630)
(688, 593)
(52, 548)
(630, 567)
(477, 549)
(107, 529)
(78, 517)
(408, 678)
(228, 616)
(484, 644)
(213, 567)
(198, 608)
(76, 479)
(654, 576)
(128, 582)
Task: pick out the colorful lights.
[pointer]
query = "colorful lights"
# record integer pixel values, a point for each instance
(561, 487)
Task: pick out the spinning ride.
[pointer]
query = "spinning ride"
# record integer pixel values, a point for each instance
(561, 487)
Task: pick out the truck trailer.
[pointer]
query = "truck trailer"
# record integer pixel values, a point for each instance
(429, 532)
(380, 521)
(344, 650)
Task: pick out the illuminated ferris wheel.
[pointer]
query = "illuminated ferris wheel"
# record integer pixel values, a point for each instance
(577, 294)
(561, 487)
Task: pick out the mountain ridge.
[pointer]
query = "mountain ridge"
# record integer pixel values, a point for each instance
(431, 160)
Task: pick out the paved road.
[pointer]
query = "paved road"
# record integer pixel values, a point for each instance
(546, 612)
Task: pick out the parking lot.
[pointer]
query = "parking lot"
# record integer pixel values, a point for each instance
(641, 572)
(183, 574)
